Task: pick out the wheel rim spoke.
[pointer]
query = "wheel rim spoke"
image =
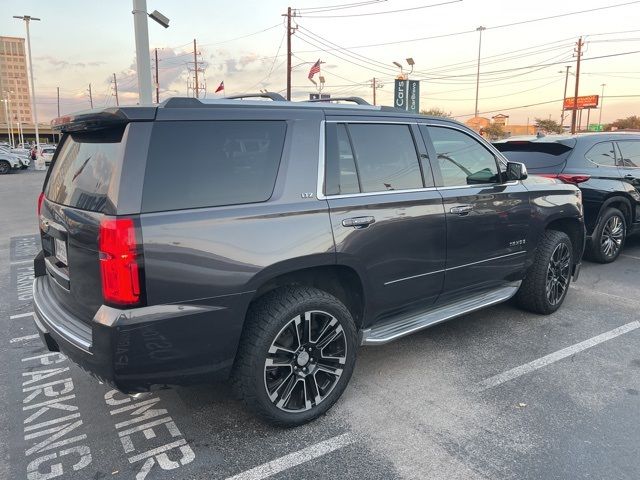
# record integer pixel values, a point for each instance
(558, 273)
(305, 361)
(612, 236)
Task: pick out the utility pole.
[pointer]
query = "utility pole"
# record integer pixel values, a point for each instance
(158, 79)
(195, 63)
(575, 96)
(115, 87)
(90, 96)
(479, 29)
(7, 117)
(58, 96)
(290, 31)
(373, 84)
(601, 103)
(566, 82)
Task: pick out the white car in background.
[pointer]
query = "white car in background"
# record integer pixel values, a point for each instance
(9, 161)
(47, 154)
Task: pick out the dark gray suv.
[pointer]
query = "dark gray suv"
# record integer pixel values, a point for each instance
(265, 241)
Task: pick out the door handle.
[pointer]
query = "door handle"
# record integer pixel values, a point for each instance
(462, 209)
(358, 222)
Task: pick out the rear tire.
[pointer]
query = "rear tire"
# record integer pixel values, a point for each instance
(608, 237)
(296, 355)
(5, 167)
(545, 287)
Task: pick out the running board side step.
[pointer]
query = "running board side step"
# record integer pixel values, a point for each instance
(406, 325)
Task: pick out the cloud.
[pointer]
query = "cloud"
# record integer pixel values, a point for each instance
(59, 64)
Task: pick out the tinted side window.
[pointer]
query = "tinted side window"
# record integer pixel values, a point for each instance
(630, 153)
(462, 159)
(602, 154)
(211, 163)
(385, 157)
(341, 173)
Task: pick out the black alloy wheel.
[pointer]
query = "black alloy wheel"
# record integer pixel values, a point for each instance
(608, 237)
(305, 361)
(4, 167)
(558, 274)
(296, 355)
(547, 281)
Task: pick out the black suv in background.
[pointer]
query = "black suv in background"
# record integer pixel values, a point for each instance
(265, 241)
(606, 168)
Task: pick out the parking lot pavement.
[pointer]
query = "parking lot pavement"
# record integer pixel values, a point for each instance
(497, 394)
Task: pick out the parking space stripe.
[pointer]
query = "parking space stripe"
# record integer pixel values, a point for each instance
(555, 356)
(296, 458)
(629, 256)
(23, 339)
(21, 315)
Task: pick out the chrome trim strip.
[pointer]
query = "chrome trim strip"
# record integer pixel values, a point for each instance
(454, 268)
(385, 192)
(487, 260)
(390, 122)
(414, 276)
(321, 164)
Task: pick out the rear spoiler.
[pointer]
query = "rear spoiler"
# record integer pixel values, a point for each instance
(97, 119)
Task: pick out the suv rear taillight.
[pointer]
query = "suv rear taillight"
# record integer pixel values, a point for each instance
(568, 177)
(119, 261)
(40, 200)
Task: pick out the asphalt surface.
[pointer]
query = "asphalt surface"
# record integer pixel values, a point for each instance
(435, 405)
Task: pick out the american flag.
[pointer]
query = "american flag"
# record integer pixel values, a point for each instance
(314, 69)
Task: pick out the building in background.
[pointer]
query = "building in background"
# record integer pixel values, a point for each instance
(14, 81)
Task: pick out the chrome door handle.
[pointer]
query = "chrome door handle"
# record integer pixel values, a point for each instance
(358, 222)
(462, 209)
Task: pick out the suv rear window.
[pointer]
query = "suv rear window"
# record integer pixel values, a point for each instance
(82, 174)
(198, 164)
(535, 155)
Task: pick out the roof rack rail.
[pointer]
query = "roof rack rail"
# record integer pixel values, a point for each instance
(358, 100)
(276, 97)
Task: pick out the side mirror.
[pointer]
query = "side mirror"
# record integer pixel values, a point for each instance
(516, 171)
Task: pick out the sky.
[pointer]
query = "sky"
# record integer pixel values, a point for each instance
(243, 44)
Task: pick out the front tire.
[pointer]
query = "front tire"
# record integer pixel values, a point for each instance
(296, 355)
(5, 167)
(608, 237)
(545, 287)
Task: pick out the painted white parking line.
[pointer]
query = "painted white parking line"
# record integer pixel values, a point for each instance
(296, 458)
(555, 356)
(591, 291)
(629, 256)
(21, 315)
(20, 262)
(23, 339)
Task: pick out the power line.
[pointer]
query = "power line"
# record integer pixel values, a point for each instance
(396, 42)
(382, 13)
(329, 8)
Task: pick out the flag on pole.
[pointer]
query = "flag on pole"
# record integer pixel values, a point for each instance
(314, 69)
(220, 87)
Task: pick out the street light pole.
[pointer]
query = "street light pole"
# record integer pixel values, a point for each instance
(6, 116)
(143, 59)
(601, 104)
(7, 104)
(27, 19)
(480, 29)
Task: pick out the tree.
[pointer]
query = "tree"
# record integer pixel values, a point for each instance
(436, 112)
(548, 126)
(629, 123)
(494, 131)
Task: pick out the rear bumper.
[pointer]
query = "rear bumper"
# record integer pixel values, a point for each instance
(138, 349)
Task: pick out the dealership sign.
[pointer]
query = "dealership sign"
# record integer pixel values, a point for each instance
(588, 101)
(407, 95)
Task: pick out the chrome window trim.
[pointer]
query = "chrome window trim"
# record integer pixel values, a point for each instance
(520, 252)
(322, 161)
(494, 151)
